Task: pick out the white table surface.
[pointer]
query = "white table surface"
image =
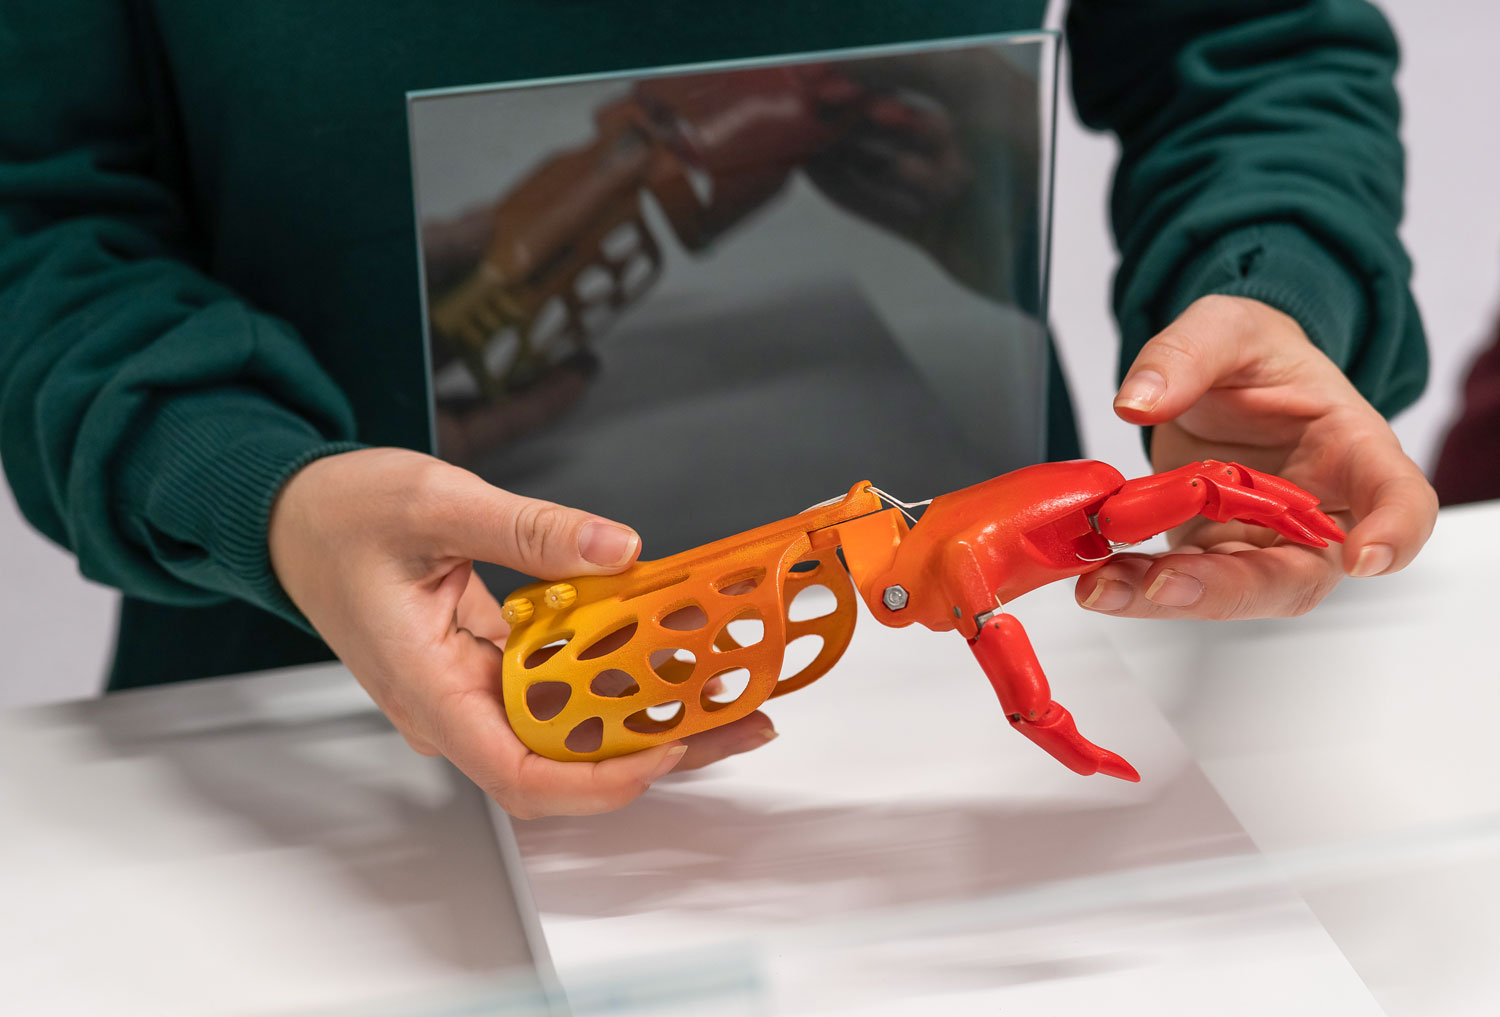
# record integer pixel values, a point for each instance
(264, 845)
(267, 845)
(900, 849)
(1358, 746)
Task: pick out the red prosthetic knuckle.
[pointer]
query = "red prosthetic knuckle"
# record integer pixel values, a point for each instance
(1139, 514)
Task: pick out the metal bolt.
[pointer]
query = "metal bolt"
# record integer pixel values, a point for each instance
(894, 598)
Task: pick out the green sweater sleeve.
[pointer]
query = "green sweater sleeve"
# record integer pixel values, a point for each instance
(1259, 158)
(147, 416)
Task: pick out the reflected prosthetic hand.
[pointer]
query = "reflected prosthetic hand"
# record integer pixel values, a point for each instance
(599, 666)
(570, 245)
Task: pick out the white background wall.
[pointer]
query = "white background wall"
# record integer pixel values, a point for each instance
(55, 628)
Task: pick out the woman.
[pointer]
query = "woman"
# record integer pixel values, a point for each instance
(208, 331)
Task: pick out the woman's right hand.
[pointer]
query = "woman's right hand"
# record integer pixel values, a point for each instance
(376, 547)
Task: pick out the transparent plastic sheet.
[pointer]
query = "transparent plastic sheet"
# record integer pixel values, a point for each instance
(719, 982)
(899, 847)
(1111, 921)
(1202, 895)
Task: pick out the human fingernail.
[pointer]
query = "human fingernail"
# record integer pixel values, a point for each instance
(1108, 595)
(1141, 391)
(1373, 559)
(607, 543)
(672, 758)
(1174, 589)
(770, 734)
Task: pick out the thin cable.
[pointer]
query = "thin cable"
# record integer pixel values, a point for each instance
(889, 499)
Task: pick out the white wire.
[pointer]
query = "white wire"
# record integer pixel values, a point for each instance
(889, 499)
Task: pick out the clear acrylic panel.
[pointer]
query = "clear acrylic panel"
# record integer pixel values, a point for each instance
(700, 299)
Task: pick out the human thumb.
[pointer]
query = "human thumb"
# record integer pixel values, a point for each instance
(1207, 343)
(540, 538)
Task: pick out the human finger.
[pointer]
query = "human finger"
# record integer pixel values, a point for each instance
(1256, 582)
(548, 787)
(1209, 342)
(1206, 534)
(479, 612)
(469, 518)
(743, 735)
(1395, 505)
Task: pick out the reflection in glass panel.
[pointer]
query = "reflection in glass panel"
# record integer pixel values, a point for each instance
(698, 302)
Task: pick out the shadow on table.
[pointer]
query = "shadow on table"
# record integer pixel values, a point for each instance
(408, 838)
(898, 897)
(688, 850)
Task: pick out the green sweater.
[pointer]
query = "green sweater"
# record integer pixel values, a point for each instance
(207, 261)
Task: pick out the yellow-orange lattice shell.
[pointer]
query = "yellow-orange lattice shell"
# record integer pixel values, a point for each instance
(589, 657)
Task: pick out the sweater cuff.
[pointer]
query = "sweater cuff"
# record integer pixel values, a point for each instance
(199, 482)
(1283, 267)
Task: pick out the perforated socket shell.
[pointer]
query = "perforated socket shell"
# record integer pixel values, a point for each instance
(648, 656)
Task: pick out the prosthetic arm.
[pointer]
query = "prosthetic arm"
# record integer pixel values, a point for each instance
(603, 665)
